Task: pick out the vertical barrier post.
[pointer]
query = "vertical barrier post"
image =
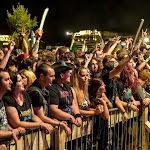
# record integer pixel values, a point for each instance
(60, 139)
(144, 132)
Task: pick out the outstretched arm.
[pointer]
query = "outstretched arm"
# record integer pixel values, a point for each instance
(35, 48)
(23, 34)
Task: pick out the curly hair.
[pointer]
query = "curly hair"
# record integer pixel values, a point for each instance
(129, 78)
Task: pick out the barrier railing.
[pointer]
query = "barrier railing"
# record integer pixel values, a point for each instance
(129, 135)
(145, 128)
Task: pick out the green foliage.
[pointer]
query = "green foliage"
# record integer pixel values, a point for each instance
(20, 20)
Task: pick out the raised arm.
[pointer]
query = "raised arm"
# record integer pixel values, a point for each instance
(5, 60)
(144, 34)
(26, 49)
(110, 50)
(143, 64)
(35, 48)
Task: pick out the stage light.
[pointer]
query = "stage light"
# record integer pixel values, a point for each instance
(67, 33)
(146, 39)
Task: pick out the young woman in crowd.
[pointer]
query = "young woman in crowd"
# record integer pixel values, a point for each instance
(97, 92)
(19, 108)
(28, 77)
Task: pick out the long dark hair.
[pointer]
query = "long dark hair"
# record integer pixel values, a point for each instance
(13, 77)
(94, 85)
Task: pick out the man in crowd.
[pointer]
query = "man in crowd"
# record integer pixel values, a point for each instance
(62, 105)
(40, 95)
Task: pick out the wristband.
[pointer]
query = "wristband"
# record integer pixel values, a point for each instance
(94, 112)
(77, 115)
(127, 104)
(40, 125)
(58, 125)
(130, 54)
(12, 134)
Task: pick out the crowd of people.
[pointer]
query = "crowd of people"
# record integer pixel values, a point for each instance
(47, 88)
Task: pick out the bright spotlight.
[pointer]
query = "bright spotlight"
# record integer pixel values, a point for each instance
(146, 39)
(67, 33)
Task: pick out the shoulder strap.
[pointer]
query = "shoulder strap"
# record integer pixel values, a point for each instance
(34, 88)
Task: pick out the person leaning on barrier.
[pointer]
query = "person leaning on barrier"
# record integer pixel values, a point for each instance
(19, 108)
(40, 95)
(62, 106)
(5, 130)
(96, 95)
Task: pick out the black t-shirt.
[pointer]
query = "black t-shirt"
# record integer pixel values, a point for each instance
(24, 111)
(61, 96)
(96, 74)
(39, 97)
(3, 117)
(111, 88)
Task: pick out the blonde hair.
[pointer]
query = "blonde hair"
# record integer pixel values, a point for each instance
(30, 76)
(76, 85)
(144, 74)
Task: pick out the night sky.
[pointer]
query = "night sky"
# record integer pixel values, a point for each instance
(68, 15)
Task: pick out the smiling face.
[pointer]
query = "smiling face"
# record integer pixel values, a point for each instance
(25, 79)
(19, 87)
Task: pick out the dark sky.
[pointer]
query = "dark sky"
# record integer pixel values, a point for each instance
(74, 15)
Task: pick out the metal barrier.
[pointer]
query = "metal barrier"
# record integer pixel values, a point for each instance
(145, 128)
(95, 133)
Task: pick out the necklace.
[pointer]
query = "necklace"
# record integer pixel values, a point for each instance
(19, 100)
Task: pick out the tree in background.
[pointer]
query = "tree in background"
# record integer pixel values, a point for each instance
(20, 21)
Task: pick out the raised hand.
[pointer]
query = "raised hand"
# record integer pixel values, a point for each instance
(23, 33)
(144, 34)
(38, 34)
(11, 45)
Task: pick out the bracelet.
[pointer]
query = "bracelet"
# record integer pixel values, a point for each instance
(77, 115)
(40, 125)
(12, 134)
(58, 125)
(130, 105)
(70, 118)
(130, 54)
(127, 104)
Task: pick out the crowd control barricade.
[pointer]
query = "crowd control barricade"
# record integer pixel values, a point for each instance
(130, 135)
